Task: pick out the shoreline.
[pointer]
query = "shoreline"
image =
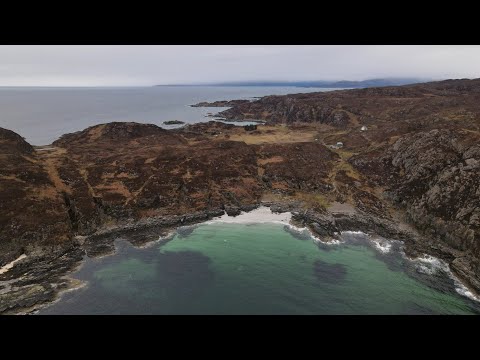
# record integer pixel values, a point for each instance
(165, 229)
(264, 215)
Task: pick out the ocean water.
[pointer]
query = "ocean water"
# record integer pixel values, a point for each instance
(261, 268)
(42, 115)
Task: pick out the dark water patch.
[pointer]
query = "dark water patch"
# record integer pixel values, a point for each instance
(330, 273)
(184, 271)
(148, 282)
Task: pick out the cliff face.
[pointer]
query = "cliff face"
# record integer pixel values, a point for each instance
(32, 208)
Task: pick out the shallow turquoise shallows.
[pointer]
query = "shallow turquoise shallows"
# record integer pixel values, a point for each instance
(224, 268)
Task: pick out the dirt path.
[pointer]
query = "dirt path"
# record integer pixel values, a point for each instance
(52, 157)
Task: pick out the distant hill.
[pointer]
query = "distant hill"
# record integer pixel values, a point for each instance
(323, 83)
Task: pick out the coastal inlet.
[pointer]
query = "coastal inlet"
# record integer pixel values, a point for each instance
(256, 263)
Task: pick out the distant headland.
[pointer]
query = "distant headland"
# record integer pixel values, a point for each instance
(337, 84)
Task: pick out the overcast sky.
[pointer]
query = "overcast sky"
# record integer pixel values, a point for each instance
(150, 65)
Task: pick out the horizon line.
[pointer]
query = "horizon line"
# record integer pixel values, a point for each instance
(234, 82)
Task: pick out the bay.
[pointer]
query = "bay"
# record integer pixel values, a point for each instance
(259, 268)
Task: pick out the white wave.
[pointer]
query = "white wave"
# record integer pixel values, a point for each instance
(330, 242)
(425, 269)
(297, 229)
(463, 290)
(384, 246)
(316, 239)
(349, 232)
(430, 265)
(433, 263)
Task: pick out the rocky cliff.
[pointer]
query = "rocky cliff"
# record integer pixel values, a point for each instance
(435, 176)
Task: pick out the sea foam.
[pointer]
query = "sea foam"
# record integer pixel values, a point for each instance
(384, 246)
(430, 265)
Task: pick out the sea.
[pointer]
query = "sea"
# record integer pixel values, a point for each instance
(42, 115)
(255, 263)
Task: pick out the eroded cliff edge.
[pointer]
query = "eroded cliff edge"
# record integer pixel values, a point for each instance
(408, 155)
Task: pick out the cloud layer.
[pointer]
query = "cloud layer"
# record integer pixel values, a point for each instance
(150, 65)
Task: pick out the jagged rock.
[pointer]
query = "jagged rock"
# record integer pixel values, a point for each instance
(232, 211)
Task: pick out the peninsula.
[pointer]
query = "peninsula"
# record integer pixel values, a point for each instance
(401, 162)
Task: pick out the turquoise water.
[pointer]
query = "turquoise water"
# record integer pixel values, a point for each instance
(221, 268)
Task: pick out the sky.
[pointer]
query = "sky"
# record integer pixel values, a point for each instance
(139, 65)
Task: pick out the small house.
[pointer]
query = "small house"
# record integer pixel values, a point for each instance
(339, 145)
(364, 128)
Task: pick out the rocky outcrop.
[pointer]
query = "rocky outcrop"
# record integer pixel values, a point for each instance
(173, 122)
(224, 103)
(435, 177)
(115, 131)
(11, 143)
